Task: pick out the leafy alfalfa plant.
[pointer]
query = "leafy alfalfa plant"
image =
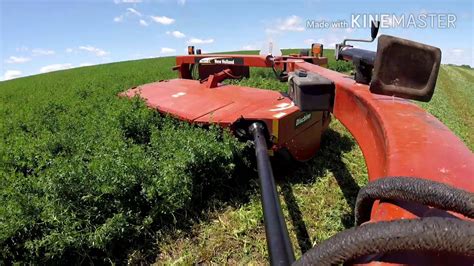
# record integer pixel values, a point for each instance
(340, 66)
(86, 178)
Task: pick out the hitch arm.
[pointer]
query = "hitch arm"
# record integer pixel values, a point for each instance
(213, 80)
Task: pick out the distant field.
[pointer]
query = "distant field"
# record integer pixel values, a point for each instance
(89, 177)
(453, 101)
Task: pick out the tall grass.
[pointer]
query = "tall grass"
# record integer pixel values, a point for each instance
(86, 176)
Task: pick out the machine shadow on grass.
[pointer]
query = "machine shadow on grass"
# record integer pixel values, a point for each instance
(329, 157)
(244, 186)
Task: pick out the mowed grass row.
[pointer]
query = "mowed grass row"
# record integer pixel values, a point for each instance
(87, 176)
(453, 101)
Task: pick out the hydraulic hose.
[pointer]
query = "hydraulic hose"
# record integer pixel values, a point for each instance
(364, 56)
(417, 190)
(278, 241)
(433, 234)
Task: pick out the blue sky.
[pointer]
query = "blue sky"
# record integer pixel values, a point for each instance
(42, 35)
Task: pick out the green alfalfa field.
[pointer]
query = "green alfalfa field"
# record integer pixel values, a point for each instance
(88, 177)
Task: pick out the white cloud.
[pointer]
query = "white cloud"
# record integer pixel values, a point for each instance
(291, 23)
(130, 12)
(249, 47)
(118, 19)
(127, 1)
(165, 50)
(143, 23)
(85, 64)
(457, 52)
(176, 34)
(200, 41)
(17, 60)
(163, 20)
(69, 50)
(55, 67)
(11, 74)
(181, 2)
(22, 49)
(38, 52)
(97, 51)
(458, 56)
(133, 11)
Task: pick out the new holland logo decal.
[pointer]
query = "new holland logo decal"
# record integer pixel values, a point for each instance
(221, 60)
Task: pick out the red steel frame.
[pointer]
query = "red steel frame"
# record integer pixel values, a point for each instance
(397, 137)
(248, 60)
(183, 62)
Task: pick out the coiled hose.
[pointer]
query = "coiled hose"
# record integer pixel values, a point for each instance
(428, 234)
(412, 189)
(431, 234)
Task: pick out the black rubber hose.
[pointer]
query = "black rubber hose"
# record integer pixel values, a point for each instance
(365, 56)
(278, 240)
(434, 234)
(418, 190)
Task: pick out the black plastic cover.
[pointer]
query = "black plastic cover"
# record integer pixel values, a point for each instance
(310, 91)
(405, 69)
